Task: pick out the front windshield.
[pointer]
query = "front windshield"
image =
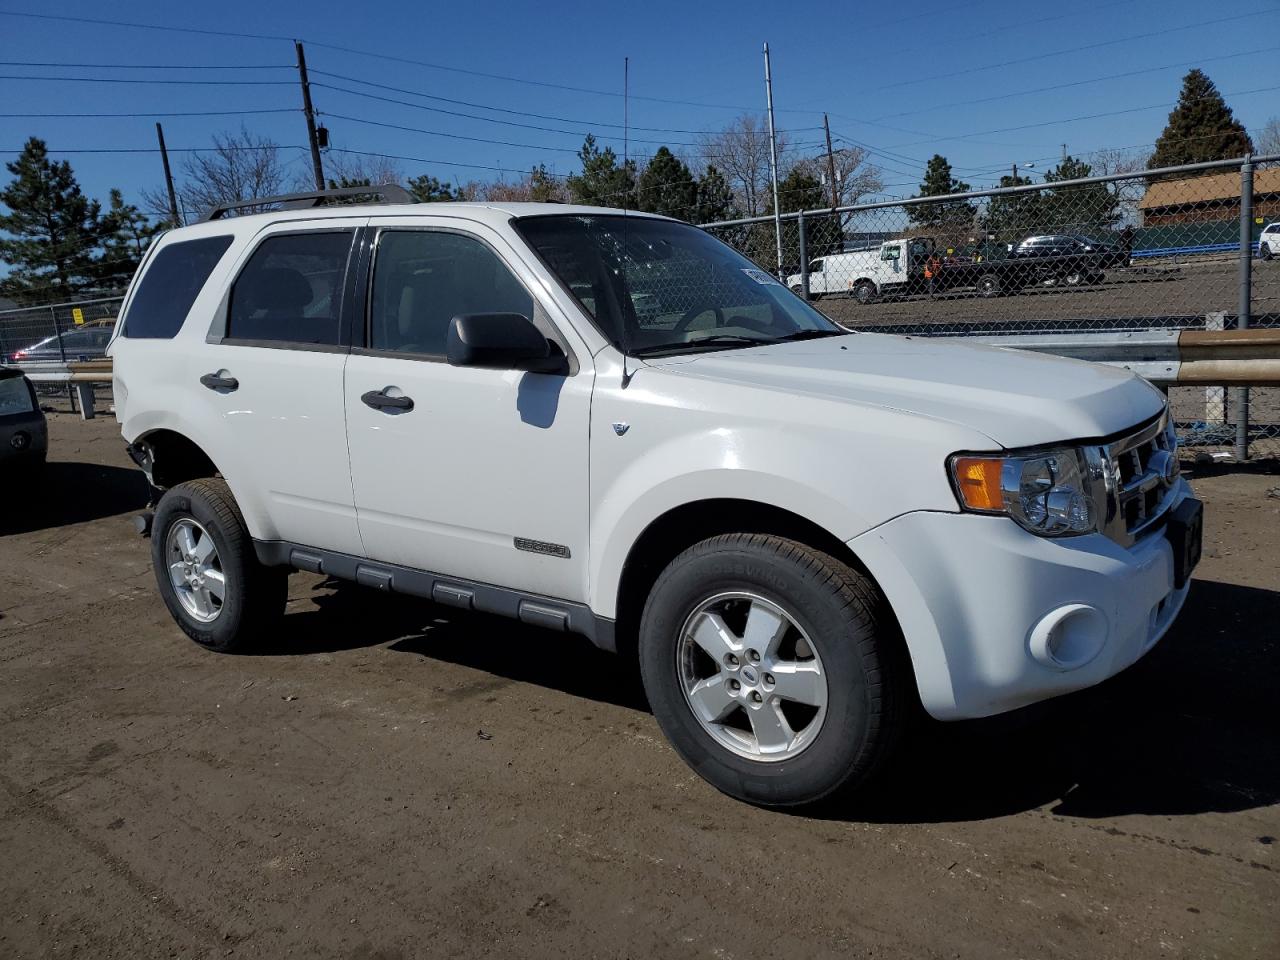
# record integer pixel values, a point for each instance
(658, 287)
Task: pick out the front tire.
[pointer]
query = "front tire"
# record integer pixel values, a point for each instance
(773, 668)
(207, 572)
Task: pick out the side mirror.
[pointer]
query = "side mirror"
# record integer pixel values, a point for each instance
(501, 341)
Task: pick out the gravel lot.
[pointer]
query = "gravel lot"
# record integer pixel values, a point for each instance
(390, 780)
(1156, 289)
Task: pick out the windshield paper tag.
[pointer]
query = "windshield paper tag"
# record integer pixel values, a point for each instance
(759, 276)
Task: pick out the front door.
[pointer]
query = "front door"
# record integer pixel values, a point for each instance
(479, 474)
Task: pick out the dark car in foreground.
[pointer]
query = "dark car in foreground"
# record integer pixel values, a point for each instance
(24, 435)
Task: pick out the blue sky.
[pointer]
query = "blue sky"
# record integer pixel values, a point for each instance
(894, 79)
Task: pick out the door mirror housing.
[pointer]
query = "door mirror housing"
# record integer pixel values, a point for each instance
(502, 341)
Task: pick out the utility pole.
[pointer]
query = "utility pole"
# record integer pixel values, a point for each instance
(831, 166)
(168, 178)
(311, 116)
(773, 159)
(1015, 175)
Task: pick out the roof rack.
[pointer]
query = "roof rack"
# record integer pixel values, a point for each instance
(386, 192)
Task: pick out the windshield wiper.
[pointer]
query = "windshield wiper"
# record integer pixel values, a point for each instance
(719, 339)
(810, 335)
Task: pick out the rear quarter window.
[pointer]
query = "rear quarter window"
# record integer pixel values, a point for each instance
(170, 285)
(15, 396)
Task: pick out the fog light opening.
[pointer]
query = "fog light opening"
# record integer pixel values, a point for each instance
(1069, 637)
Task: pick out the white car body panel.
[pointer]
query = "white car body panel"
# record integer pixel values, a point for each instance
(850, 433)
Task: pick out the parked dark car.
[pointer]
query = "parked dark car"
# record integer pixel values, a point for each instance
(24, 435)
(1067, 259)
(82, 343)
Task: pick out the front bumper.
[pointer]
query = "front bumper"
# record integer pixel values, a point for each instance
(974, 595)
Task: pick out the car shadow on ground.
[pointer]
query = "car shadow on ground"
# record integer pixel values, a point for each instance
(1187, 730)
(345, 616)
(62, 493)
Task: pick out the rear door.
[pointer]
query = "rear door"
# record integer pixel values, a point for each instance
(485, 476)
(272, 371)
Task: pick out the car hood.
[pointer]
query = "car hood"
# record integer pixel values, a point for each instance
(1014, 397)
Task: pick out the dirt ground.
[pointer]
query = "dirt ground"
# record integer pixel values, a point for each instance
(390, 780)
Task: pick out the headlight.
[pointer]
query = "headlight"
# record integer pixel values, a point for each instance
(1053, 493)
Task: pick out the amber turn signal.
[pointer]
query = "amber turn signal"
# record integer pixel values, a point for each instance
(978, 482)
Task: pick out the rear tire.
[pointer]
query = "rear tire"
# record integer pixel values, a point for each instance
(989, 285)
(864, 292)
(200, 547)
(1264, 251)
(828, 637)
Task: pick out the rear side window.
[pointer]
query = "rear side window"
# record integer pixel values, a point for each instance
(173, 280)
(290, 291)
(15, 396)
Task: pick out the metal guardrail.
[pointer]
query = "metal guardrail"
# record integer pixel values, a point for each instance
(80, 375)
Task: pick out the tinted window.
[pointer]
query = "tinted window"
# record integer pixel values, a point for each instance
(291, 289)
(170, 285)
(15, 396)
(423, 279)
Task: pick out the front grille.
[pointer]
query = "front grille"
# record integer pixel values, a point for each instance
(1144, 469)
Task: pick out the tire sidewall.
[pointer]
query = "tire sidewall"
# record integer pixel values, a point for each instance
(830, 760)
(221, 633)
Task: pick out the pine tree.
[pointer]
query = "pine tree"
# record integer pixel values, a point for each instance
(127, 231)
(602, 182)
(54, 229)
(715, 197)
(1087, 208)
(938, 182)
(666, 186)
(427, 189)
(1012, 218)
(1201, 127)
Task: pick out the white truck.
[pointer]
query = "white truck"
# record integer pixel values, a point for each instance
(799, 533)
(893, 268)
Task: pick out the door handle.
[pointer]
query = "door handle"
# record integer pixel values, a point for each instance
(216, 381)
(379, 400)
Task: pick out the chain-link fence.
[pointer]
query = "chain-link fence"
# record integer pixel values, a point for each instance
(1181, 247)
(59, 332)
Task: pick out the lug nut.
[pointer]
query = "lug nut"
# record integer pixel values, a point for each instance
(768, 678)
(734, 685)
(731, 659)
(753, 656)
(755, 696)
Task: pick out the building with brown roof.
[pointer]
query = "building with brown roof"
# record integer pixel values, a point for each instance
(1210, 198)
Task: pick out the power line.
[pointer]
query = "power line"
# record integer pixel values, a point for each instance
(522, 113)
(1078, 83)
(156, 81)
(144, 115)
(1096, 116)
(1058, 53)
(148, 66)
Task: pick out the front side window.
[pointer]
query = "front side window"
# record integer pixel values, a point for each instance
(290, 291)
(170, 285)
(422, 279)
(658, 287)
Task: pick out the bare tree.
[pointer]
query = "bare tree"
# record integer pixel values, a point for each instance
(1116, 160)
(741, 152)
(855, 176)
(1267, 140)
(357, 169)
(539, 186)
(239, 166)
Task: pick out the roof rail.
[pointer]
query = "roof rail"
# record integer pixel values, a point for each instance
(387, 192)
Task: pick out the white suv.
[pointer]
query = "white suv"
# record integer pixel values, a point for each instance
(798, 531)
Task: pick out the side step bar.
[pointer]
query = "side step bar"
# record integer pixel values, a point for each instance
(532, 609)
